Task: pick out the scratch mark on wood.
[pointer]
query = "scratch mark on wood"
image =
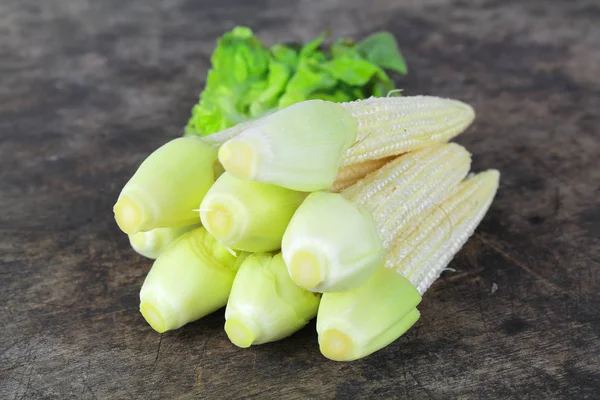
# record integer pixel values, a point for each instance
(461, 275)
(198, 382)
(406, 393)
(480, 308)
(204, 347)
(157, 350)
(12, 345)
(523, 266)
(31, 359)
(556, 201)
(85, 382)
(427, 392)
(547, 168)
(539, 93)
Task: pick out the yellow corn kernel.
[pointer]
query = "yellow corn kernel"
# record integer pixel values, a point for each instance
(335, 241)
(422, 252)
(358, 322)
(275, 148)
(350, 174)
(395, 125)
(404, 188)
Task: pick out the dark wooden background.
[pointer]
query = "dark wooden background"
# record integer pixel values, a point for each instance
(89, 88)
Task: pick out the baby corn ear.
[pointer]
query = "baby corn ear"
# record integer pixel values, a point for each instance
(350, 174)
(334, 242)
(167, 187)
(298, 147)
(265, 304)
(248, 215)
(274, 149)
(331, 244)
(190, 279)
(356, 323)
(396, 125)
(422, 252)
(401, 191)
(152, 243)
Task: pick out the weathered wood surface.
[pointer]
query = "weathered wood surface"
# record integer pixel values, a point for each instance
(89, 88)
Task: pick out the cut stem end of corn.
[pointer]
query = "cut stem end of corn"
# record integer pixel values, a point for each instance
(217, 220)
(331, 244)
(306, 269)
(166, 187)
(241, 332)
(239, 159)
(153, 316)
(190, 279)
(338, 346)
(335, 345)
(275, 148)
(248, 215)
(129, 214)
(265, 304)
(358, 322)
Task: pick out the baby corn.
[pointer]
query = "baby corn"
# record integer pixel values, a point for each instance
(405, 187)
(356, 323)
(190, 279)
(265, 304)
(298, 147)
(396, 125)
(167, 187)
(335, 241)
(248, 215)
(350, 174)
(274, 149)
(421, 253)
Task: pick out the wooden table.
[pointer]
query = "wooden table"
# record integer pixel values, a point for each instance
(89, 88)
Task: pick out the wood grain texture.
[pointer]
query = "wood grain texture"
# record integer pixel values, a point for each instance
(89, 88)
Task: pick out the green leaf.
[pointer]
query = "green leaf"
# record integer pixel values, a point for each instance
(312, 47)
(343, 47)
(248, 80)
(279, 74)
(309, 77)
(351, 71)
(382, 49)
(239, 76)
(239, 56)
(285, 55)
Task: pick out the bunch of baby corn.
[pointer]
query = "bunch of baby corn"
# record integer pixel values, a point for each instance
(347, 212)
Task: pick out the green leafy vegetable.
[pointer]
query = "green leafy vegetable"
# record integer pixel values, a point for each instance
(382, 49)
(248, 80)
(237, 80)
